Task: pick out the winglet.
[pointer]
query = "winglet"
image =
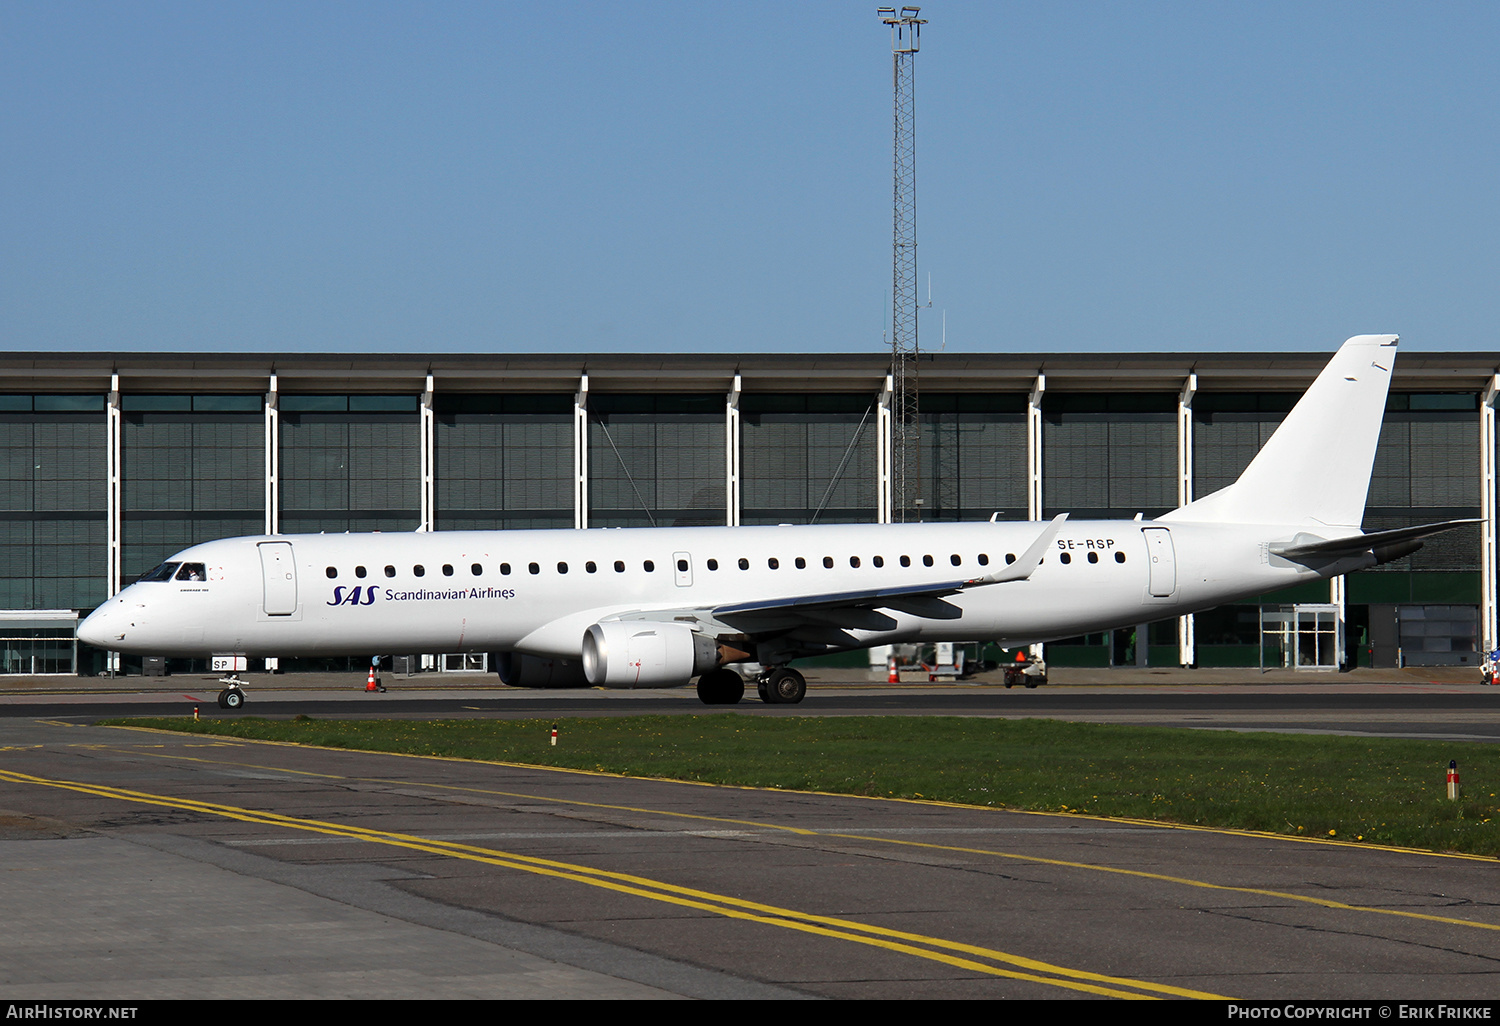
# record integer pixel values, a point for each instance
(1022, 568)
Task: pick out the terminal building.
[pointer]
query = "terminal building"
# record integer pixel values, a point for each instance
(112, 462)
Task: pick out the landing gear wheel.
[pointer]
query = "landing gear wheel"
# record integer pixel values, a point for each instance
(231, 698)
(720, 687)
(785, 686)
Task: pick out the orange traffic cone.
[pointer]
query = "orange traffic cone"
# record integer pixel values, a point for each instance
(370, 682)
(893, 675)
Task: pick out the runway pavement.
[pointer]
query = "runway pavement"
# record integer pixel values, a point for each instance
(147, 865)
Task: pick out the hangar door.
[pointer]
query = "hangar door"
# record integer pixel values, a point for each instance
(280, 575)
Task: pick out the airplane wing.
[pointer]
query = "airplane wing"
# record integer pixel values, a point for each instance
(862, 609)
(1356, 544)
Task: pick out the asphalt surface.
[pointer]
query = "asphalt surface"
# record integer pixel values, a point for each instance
(144, 865)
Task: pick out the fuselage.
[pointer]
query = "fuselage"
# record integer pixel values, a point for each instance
(538, 592)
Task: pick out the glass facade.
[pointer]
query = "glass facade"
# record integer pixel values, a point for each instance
(192, 470)
(53, 535)
(1109, 456)
(973, 457)
(1426, 470)
(1228, 430)
(808, 458)
(503, 462)
(656, 460)
(350, 463)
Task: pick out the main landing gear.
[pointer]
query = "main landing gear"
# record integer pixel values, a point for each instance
(233, 695)
(777, 685)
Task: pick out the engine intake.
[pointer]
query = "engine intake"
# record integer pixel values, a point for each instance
(642, 654)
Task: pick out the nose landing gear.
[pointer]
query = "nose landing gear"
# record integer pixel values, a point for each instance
(233, 695)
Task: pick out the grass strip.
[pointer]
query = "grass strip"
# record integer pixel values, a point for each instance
(1387, 791)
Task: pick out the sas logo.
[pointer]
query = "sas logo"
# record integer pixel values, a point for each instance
(359, 595)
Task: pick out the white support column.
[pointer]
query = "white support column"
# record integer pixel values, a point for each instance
(1337, 589)
(428, 459)
(1034, 449)
(112, 512)
(1187, 651)
(581, 453)
(113, 527)
(1488, 616)
(273, 458)
(1034, 466)
(732, 455)
(883, 455)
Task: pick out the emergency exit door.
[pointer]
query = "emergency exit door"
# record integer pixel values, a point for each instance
(280, 574)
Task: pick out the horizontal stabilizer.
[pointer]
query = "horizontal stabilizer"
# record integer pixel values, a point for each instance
(1360, 543)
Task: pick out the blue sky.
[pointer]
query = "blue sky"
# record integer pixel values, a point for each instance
(679, 177)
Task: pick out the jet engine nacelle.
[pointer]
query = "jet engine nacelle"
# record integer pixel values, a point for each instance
(519, 670)
(639, 653)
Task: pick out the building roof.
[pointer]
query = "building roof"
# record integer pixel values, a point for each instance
(707, 372)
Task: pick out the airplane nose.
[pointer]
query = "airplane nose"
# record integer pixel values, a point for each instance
(95, 629)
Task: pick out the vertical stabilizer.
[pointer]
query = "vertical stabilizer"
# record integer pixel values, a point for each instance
(1315, 469)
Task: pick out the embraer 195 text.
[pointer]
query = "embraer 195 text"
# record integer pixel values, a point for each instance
(659, 606)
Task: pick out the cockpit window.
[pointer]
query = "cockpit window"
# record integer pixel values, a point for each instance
(161, 573)
(192, 572)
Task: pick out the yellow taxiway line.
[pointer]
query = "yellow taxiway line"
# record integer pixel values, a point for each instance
(953, 953)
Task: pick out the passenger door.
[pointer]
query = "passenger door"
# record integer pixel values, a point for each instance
(280, 573)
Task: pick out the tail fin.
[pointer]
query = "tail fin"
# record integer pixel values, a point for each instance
(1315, 469)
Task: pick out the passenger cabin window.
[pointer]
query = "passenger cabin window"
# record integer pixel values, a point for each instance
(648, 566)
(619, 566)
(854, 562)
(1010, 557)
(828, 562)
(956, 559)
(192, 572)
(332, 573)
(744, 564)
(390, 571)
(774, 563)
(562, 568)
(447, 569)
(801, 563)
(505, 569)
(591, 566)
(1093, 557)
(1119, 557)
(713, 564)
(682, 566)
(533, 568)
(476, 569)
(1066, 559)
(878, 560)
(984, 559)
(419, 570)
(926, 560)
(906, 561)
(359, 571)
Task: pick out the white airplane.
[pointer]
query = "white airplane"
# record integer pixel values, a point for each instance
(657, 607)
